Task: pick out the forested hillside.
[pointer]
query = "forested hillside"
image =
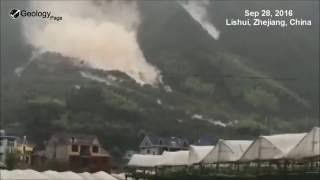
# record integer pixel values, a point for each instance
(246, 83)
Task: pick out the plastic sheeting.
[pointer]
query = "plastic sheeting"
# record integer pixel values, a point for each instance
(140, 160)
(177, 158)
(97, 176)
(52, 175)
(272, 147)
(198, 153)
(227, 151)
(308, 147)
(87, 176)
(103, 176)
(71, 175)
(121, 176)
(67, 175)
(21, 175)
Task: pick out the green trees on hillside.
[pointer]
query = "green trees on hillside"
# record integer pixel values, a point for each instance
(262, 99)
(197, 86)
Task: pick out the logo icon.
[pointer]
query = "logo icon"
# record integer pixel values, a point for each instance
(14, 13)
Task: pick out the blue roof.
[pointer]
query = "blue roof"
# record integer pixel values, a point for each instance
(205, 141)
(9, 137)
(168, 141)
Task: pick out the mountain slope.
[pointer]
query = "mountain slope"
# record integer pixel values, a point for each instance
(211, 88)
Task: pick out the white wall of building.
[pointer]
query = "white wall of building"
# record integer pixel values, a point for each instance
(6, 145)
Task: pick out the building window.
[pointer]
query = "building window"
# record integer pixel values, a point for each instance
(74, 148)
(95, 149)
(73, 140)
(10, 143)
(27, 160)
(185, 144)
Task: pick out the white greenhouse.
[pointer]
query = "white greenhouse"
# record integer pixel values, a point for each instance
(144, 161)
(87, 176)
(198, 153)
(22, 175)
(308, 147)
(52, 175)
(272, 147)
(177, 158)
(103, 176)
(227, 151)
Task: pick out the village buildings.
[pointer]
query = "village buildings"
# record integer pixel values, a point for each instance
(7, 145)
(79, 151)
(157, 145)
